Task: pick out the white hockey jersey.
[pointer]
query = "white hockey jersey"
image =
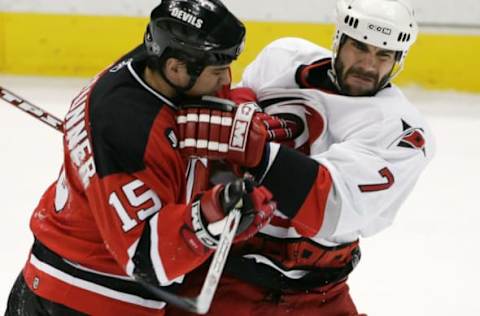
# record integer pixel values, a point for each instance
(374, 148)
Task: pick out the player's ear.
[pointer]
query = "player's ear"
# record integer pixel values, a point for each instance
(175, 68)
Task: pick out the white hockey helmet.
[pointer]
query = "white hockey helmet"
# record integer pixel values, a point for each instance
(388, 24)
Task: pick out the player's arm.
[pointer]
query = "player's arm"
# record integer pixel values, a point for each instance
(341, 191)
(354, 175)
(217, 129)
(157, 238)
(354, 188)
(139, 199)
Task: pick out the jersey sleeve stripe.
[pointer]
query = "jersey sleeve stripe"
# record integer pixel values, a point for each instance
(309, 219)
(302, 174)
(155, 255)
(147, 261)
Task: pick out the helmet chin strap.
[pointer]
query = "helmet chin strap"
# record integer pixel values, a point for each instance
(194, 74)
(332, 74)
(194, 70)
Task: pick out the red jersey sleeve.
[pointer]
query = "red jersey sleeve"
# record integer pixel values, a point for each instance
(138, 193)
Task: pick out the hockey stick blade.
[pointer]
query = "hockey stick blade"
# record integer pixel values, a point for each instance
(201, 303)
(31, 109)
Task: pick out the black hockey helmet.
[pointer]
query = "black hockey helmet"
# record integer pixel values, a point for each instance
(200, 32)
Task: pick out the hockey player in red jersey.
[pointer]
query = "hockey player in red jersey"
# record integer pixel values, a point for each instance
(127, 208)
(361, 146)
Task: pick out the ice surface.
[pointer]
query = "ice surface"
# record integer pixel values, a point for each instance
(425, 264)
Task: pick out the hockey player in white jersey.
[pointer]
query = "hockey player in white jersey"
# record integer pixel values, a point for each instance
(360, 148)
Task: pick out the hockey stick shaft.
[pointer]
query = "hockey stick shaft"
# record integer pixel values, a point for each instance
(199, 304)
(31, 109)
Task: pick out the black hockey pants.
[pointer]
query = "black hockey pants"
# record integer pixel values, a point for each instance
(23, 302)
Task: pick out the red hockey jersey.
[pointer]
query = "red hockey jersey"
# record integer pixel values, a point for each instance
(116, 210)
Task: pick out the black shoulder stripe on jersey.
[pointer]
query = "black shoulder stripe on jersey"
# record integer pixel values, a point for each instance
(121, 117)
(290, 179)
(117, 284)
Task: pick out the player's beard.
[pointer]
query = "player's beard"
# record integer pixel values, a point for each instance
(351, 90)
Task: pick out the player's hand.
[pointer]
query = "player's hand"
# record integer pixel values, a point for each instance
(206, 217)
(217, 128)
(280, 129)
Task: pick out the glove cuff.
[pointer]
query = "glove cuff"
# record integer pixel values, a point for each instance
(195, 232)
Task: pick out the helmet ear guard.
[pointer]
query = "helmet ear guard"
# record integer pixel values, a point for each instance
(387, 24)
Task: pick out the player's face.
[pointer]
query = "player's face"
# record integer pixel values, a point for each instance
(363, 68)
(211, 80)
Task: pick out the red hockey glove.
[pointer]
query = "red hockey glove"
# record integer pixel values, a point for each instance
(280, 130)
(206, 218)
(216, 128)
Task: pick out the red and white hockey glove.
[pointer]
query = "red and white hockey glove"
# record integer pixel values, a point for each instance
(206, 218)
(280, 130)
(216, 128)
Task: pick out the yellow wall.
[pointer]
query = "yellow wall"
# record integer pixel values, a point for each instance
(67, 45)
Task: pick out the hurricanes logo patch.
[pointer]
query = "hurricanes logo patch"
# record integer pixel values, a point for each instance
(412, 137)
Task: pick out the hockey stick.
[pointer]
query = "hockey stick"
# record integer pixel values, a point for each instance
(199, 304)
(31, 109)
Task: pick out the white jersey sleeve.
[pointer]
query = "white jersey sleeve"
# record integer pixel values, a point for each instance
(277, 63)
(374, 149)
